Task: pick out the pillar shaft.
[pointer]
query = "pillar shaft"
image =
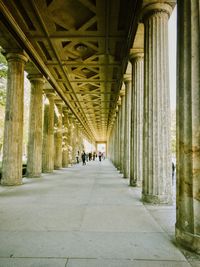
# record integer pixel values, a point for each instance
(34, 159)
(13, 129)
(137, 119)
(70, 140)
(122, 141)
(65, 153)
(127, 125)
(58, 138)
(48, 135)
(156, 147)
(188, 126)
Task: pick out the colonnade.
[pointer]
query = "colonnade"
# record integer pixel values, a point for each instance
(54, 136)
(147, 130)
(139, 142)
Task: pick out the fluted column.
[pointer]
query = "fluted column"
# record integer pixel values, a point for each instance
(58, 136)
(74, 140)
(65, 152)
(117, 137)
(137, 118)
(157, 184)
(122, 140)
(188, 126)
(115, 140)
(48, 134)
(13, 125)
(70, 138)
(34, 159)
(119, 134)
(127, 149)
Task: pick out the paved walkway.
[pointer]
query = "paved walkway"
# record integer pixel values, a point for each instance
(84, 216)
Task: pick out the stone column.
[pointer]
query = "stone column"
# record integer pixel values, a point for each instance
(157, 183)
(114, 139)
(48, 134)
(117, 138)
(119, 134)
(122, 140)
(13, 125)
(137, 118)
(70, 141)
(188, 126)
(34, 159)
(127, 81)
(65, 153)
(73, 139)
(58, 135)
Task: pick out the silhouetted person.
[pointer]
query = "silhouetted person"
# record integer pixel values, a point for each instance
(77, 157)
(83, 156)
(173, 169)
(100, 156)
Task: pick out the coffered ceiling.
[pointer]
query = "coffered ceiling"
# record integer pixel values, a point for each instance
(81, 47)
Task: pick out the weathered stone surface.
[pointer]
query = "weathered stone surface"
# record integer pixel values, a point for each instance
(13, 130)
(34, 157)
(65, 152)
(58, 136)
(48, 135)
(188, 126)
(128, 93)
(137, 119)
(122, 137)
(157, 182)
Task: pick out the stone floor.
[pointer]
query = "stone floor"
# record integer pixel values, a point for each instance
(85, 216)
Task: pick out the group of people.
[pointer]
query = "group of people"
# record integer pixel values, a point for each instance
(89, 156)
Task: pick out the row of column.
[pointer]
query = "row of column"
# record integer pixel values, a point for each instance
(53, 139)
(146, 157)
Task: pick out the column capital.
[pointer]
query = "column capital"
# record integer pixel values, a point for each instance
(58, 102)
(49, 92)
(153, 8)
(65, 111)
(17, 56)
(136, 53)
(127, 78)
(36, 77)
(122, 92)
(119, 102)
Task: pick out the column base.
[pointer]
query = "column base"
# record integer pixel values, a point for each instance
(47, 171)
(65, 166)
(133, 183)
(33, 175)
(57, 167)
(11, 183)
(157, 199)
(188, 240)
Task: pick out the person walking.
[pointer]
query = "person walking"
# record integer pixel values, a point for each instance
(100, 155)
(83, 156)
(77, 157)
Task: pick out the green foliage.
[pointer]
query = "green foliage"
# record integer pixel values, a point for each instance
(3, 66)
(2, 95)
(3, 76)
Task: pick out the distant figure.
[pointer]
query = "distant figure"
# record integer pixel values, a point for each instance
(90, 156)
(77, 157)
(100, 155)
(83, 156)
(173, 169)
